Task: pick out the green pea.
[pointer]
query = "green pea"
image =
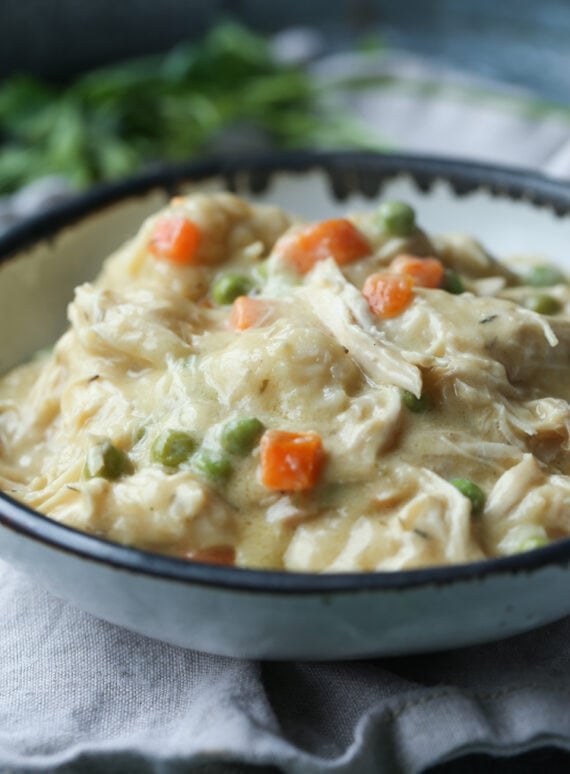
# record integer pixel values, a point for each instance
(172, 448)
(544, 276)
(452, 282)
(261, 271)
(538, 541)
(416, 405)
(472, 492)
(397, 218)
(239, 435)
(104, 460)
(140, 433)
(227, 287)
(543, 304)
(212, 467)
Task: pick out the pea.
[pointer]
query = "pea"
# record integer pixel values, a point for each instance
(239, 435)
(543, 304)
(538, 541)
(397, 218)
(472, 492)
(261, 271)
(544, 276)
(104, 460)
(228, 287)
(212, 467)
(172, 448)
(416, 405)
(452, 282)
(140, 433)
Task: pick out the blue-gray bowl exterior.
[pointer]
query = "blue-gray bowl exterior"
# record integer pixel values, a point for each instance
(267, 614)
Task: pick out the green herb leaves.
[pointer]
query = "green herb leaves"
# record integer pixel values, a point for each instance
(115, 120)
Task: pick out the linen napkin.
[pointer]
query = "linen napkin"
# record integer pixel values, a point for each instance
(80, 695)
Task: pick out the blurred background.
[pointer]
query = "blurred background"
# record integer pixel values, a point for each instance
(93, 91)
(522, 41)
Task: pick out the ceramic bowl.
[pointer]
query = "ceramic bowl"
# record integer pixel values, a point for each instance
(252, 613)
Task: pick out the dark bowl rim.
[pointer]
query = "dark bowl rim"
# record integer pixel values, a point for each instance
(463, 176)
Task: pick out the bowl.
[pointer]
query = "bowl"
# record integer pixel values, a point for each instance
(265, 614)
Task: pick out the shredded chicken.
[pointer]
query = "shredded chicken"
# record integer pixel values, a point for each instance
(235, 384)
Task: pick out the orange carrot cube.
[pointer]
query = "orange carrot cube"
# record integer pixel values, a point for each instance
(291, 462)
(247, 312)
(388, 295)
(223, 555)
(337, 238)
(426, 272)
(176, 239)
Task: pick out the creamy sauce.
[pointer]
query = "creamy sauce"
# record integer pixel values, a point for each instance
(467, 383)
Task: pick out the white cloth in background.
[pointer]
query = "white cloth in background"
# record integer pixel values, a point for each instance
(81, 695)
(422, 108)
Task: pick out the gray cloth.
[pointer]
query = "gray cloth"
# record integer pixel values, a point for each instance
(80, 695)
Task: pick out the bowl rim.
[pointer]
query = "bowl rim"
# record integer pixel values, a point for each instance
(463, 176)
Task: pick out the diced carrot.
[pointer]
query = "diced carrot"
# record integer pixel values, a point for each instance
(290, 462)
(176, 239)
(337, 238)
(388, 294)
(247, 312)
(225, 555)
(426, 272)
